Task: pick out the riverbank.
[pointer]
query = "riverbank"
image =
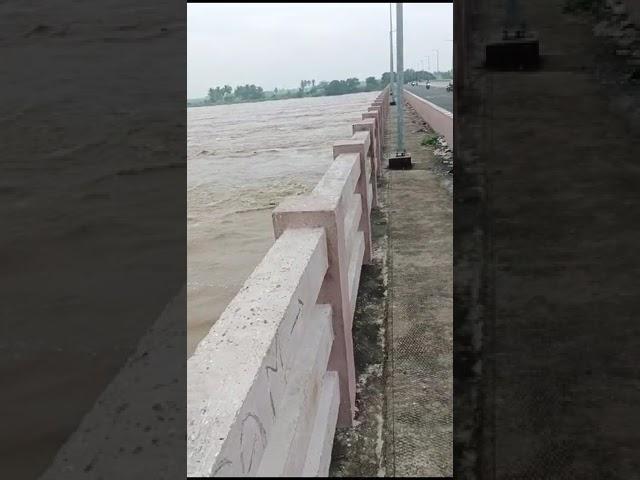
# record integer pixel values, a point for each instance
(279, 97)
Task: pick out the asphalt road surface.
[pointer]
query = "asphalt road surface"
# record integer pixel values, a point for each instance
(437, 95)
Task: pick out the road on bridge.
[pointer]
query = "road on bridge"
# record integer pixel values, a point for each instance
(437, 95)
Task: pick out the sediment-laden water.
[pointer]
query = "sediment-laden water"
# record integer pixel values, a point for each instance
(241, 161)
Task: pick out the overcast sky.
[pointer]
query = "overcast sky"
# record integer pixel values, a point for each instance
(279, 44)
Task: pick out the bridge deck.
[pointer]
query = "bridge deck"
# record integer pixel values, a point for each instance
(404, 422)
(420, 323)
(553, 156)
(436, 94)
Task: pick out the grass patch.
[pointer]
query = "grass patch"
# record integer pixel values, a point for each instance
(429, 140)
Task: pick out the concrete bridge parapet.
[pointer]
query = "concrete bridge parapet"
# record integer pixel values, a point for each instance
(282, 351)
(439, 119)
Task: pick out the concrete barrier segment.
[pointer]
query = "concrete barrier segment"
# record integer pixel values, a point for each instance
(360, 145)
(381, 120)
(319, 453)
(239, 372)
(369, 125)
(439, 119)
(287, 450)
(378, 125)
(327, 207)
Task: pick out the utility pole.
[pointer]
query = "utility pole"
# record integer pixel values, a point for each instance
(517, 49)
(513, 22)
(437, 59)
(401, 159)
(400, 82)
(391, 101)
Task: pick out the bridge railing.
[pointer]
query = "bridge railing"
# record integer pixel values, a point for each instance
(275, 374)
(437, 117)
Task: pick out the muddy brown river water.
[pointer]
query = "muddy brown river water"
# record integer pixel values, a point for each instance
(242, 160)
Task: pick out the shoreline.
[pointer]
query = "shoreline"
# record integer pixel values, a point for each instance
(275, 99)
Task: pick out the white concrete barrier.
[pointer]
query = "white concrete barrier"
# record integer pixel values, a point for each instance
(438, 118)
(275, 375)
(331, 205)
(360, 143)
(241, 376)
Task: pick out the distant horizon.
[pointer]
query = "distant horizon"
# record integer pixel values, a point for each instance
(298, 85)
(287, 43)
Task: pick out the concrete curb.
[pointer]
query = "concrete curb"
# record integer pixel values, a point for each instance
(438, 118)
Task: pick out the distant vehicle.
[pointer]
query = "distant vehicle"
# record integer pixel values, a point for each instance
(450, 87)
(413, 84)
(427, 84)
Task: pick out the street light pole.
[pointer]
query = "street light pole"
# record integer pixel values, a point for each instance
(401, 159)
(400, 82)
(391, 55)
(512, 22)
(518, 49)
(437, 59)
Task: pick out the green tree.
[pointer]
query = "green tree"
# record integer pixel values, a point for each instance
(248, 92)
(340, 87)
(333, 88)
(410, 75)
(352, 84)
(372, 83)
(215, 94)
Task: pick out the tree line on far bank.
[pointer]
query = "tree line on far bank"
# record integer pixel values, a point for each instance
(309, 88)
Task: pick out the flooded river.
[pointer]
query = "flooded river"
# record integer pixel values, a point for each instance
(241, 161)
